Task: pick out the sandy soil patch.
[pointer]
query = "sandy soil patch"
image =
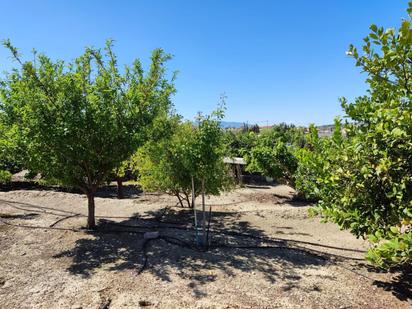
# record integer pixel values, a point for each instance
(286, 259)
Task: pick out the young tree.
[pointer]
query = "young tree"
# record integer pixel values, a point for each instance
(169, 164)
(161, 164)
(367, 188)
(190, 159)
(78, 121)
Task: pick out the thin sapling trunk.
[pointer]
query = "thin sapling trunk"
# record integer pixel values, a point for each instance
(194, 209)
(204, 213)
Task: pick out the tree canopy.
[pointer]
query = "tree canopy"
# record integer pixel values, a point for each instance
(190, 151)
(78, 121)
(367, 182)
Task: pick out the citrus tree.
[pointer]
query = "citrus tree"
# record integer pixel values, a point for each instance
(79, 120)
(273, 152)
(315, 159)
(367, 187)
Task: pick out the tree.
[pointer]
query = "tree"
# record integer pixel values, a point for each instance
(314, 160)
(239, 143)
(273, 152)
(190, 161)
(187, 151)
(367, 187)
(276, 161)
(78, 121)
(161, 164)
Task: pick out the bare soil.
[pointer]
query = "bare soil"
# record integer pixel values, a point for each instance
(265, 253)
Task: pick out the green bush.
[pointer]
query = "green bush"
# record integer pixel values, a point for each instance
(5, 176)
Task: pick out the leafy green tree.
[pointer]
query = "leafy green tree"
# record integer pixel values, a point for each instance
(169, 164)
(314, 161)
(161, 128)
(238, 142)
(79, 121)
(367, 187)
(161, 164)
(273, 152)
(276, 161)
(7, 162)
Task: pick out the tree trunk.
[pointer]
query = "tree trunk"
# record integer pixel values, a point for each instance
(91, 223)
(180, 200)
(187, 200)
(120, 192)
(194, 210)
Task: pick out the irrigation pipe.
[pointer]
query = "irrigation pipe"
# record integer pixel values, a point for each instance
(176, 226)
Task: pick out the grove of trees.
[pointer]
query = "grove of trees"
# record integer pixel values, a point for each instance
(79, 123)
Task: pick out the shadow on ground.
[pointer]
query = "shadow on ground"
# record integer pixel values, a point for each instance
(400, 285)
(107, 191)
(126, 251)
(27, 216)
(120, 246)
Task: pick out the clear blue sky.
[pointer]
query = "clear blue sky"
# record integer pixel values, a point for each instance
(275, 60)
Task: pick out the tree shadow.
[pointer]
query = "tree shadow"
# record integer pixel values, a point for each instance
(105, 191)
(294, 200)
(257, 186)
(110, 191)
(400, 285)
(120, 246)
(28, 216)
(292, 233)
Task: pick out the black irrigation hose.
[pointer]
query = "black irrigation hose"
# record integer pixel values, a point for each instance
(179, 242)
(43, 227)
(321, 255)
(37, 211)
(230, 233)
(182, 243)
(81, 230)
(173, 240)
(62, 219)
(263, 239)
(145, 257)
(36, 206)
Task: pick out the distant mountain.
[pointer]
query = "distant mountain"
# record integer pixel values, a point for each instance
(231, 124)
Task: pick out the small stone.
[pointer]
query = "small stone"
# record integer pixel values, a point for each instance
(144, 303)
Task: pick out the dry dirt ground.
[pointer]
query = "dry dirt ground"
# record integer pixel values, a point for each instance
(265, 253)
